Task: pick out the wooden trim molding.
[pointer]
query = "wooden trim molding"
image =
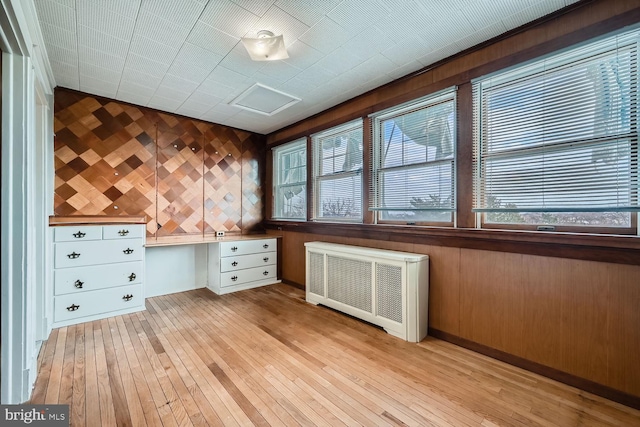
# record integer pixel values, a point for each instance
(96, 220)
(590, 247)
(563, 377)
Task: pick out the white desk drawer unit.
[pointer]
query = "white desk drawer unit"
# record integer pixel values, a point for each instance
(98, 272)
(242, 264)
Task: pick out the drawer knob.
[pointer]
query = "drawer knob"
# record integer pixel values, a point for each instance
(234, 263)
(128, 251)
(265, 259)
(132, 277)
(123, 232)
(265, 273)
(127, 297)
(73, 307)
(233, 249)
(73, 255)
(265, 246)
(78, 284)
(79, 235)
(234, 278)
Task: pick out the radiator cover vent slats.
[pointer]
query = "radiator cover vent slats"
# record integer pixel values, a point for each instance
(386, 288)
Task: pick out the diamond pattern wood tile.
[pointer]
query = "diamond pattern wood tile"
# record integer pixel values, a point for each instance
(187, 176)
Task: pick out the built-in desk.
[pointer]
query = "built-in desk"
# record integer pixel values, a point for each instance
(223, 264)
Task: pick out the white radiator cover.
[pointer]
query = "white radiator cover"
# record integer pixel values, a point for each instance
(386, 288)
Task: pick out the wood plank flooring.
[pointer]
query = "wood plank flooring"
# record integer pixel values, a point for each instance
(265, 357)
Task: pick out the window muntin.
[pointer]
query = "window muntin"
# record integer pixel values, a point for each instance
(290, 180)
(413, 175)
(556, 142)
(337, 156)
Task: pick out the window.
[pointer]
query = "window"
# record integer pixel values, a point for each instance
(290, 180)
(556, 141)
(413, 161)
(337, 173)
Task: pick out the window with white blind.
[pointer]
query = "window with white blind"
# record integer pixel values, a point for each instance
(290, 180)
(337, 173)
(413, 161)
(556, 141)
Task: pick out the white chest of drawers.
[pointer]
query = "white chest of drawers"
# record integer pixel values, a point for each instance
(242, 264)
(98, 272)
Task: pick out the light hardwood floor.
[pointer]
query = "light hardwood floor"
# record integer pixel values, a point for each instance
(266, 357)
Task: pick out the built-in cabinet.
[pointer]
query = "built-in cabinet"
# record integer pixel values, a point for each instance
(243, 264)
(98, 271)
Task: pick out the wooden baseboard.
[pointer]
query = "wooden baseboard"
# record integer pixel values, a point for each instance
(572, 380)
(294, 284)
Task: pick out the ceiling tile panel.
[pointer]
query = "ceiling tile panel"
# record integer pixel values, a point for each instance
(66, 56)
(437, 55)
(104, 20)
(362, 46)
(136, 89)
(148, 66)
(356, 15)
(140, 78)
(211, 39)
(220, 90)
(224, 75)
(56, 14)
(193, 109)
(66, 75)
(122, 7)
(58, 36)
(307, 11)
(326, 36)
(99, 72)
(101, 41)
(188, 72)
(406, 51)
(100, 59)
(533, 12)
(228, 17)
(191, 54)
(164, 103)
(238, 60)
(152, 49)
(316, 76)
(106, 88)
(340, 61)
(177, 83)
(278, 70)
(405, 69)
(132, 98)
(257, 7)
(180, 12)
(302, 56)
(160, 30)
(481, 35)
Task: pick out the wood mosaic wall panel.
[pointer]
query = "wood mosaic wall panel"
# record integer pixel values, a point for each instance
(186, 175)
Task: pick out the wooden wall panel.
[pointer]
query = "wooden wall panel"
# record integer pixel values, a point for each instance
(188, 176)
(623, 328)
(578, 317)
(444, 286)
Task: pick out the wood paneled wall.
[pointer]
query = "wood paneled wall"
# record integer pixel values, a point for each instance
(186, 175)
(572, 316)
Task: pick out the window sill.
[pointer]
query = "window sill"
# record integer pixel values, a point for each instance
(618, 249)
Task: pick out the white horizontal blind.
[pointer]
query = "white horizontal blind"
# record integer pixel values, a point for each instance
(337, 172)
(413, 160)
(560, 135)
(290, 180)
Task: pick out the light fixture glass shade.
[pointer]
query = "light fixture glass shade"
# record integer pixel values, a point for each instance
(266, 47)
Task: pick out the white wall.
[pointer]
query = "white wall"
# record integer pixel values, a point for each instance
(27, 196)
(171, 269)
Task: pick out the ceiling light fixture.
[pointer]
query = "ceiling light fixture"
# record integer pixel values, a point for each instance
(266, 47)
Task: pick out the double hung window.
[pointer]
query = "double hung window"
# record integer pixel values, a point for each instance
(290, 180)
(337, 173)
(413, 161)
(556, 140)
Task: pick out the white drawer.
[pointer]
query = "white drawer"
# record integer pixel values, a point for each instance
(123, 231)
(240, 262)
(77, 233)
(246, 247)
(231, 278)
(83, 304)
(91, 278)
(76, 254)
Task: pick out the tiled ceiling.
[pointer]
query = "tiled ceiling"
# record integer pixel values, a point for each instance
(185, 56)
